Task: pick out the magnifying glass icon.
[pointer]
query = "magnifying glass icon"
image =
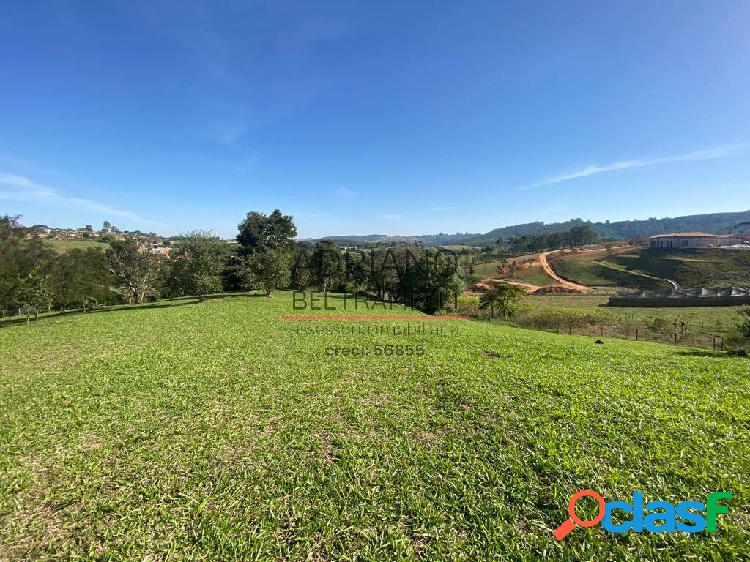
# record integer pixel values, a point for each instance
(562, 531)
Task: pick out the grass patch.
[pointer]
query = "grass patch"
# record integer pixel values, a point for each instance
(601, 270)
(693, 267)
(63, 246)
(215, 430)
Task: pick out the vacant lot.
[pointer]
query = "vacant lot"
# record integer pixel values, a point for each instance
(692, 268)
(219, 431)
(528, 270)
(604, 270)
(62, 246)
(649, 269)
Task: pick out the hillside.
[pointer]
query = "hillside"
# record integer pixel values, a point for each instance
(692, 268)
(645, 268)
(715, 223)
(249, 437)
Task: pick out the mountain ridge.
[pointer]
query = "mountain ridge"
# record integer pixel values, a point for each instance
(714, 223)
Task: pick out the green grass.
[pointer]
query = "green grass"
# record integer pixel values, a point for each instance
(601, 270)
(215, 431)
(62, 246)
(719, 320)
(692, 268)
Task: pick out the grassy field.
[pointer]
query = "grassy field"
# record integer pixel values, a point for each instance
(648, 269)
(601, 270)
(692, 268)
(62, 246)
(720, 320)
(219, 431)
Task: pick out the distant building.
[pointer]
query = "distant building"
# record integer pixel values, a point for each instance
(684, 240)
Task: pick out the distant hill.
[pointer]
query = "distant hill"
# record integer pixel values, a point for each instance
(715, 223)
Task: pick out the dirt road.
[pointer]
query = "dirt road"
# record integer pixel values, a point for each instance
(549, 271)
(486, 284)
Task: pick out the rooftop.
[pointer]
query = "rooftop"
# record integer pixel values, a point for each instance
(686, 235)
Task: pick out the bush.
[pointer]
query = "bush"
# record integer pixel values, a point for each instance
(744, 326)
(560, 319)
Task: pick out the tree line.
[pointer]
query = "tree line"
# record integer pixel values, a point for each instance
(35, 279)
(529, 242)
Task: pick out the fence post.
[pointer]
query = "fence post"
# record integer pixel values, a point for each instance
(636, 333)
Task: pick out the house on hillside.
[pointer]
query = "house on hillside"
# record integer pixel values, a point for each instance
(684, 240)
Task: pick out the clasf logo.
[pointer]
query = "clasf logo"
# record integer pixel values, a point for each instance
(663, 517)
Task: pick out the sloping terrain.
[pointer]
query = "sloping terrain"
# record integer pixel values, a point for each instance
(691, 268)
(220, 431)
(605, 270)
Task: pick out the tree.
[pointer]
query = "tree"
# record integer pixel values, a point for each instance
(198, 264)
(259, 232)
(268, 269)
(81, 277)
(266, 245)
(33, 295)
(135, 269)
(582, 235)
(21, 253)
(503, 298)
(106, 226)
(326, 265)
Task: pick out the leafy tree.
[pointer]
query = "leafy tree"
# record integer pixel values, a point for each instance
(21, 253)
(198, 264)
(503, 298)
(327, 265)
(582, 235)
(81, 277)
(135, 269)
(266, 245)
(268, 269)
(259, 232)
(33, 295)
(300, 274)
(415, 276)
(357, 271)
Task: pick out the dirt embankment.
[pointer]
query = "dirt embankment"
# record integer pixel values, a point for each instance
(551, 272)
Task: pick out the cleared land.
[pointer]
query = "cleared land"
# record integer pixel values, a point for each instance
(218, 431)
(524, 270)
(692, 268)
(62, 246)
(651, 269)
(602, 270)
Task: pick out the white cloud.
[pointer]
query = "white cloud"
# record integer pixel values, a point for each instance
(724, 151)
(19, 181)
(27, 190)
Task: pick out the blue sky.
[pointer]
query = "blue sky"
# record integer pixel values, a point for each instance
(372, 117)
